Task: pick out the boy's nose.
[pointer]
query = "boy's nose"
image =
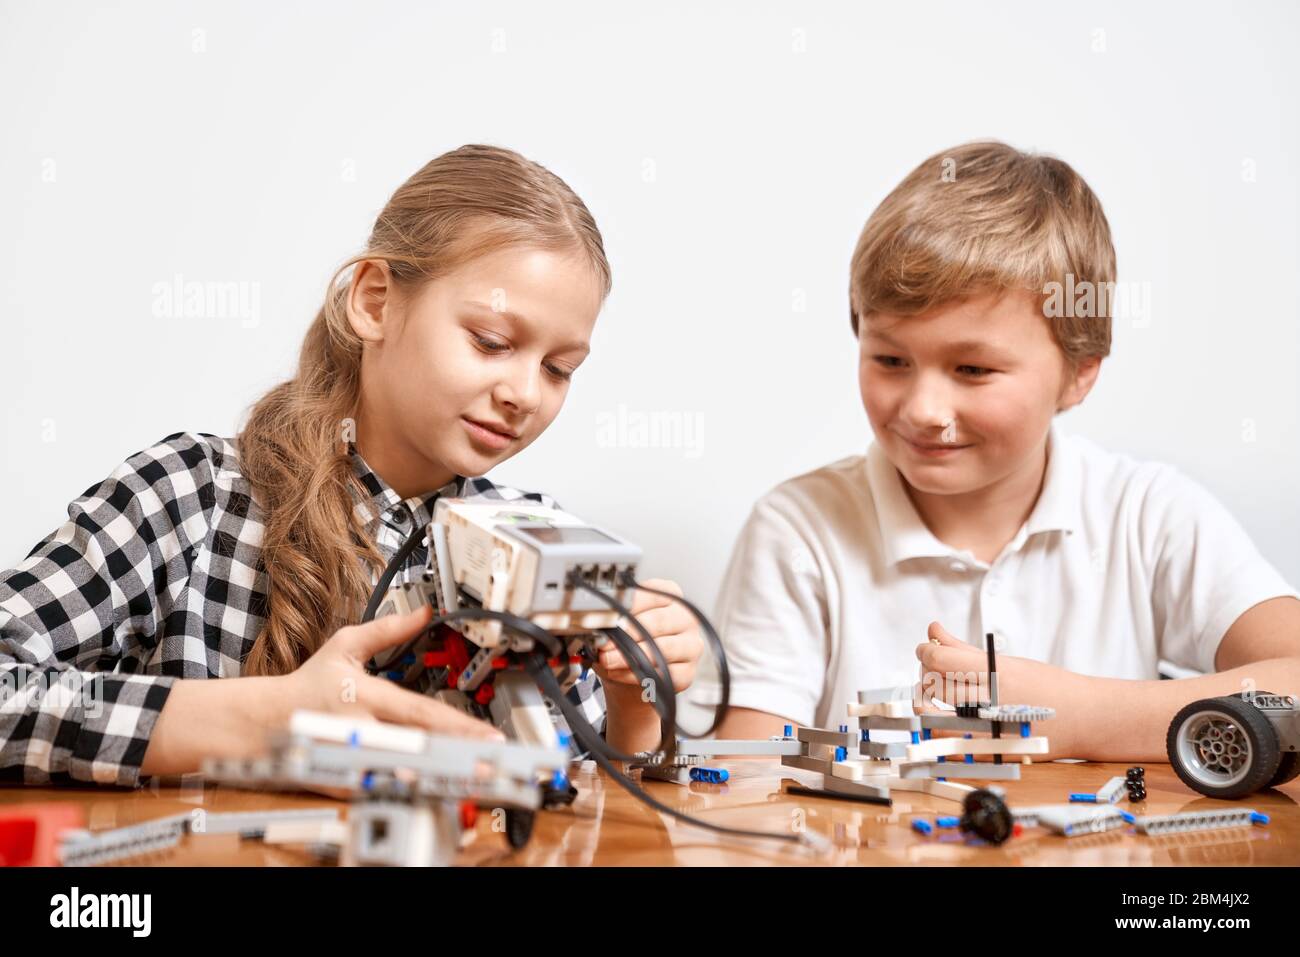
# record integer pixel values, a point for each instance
(927, 408)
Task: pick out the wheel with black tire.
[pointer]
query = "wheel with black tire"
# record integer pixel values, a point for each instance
(1223, 747)
(519, 826)
(1287, 768)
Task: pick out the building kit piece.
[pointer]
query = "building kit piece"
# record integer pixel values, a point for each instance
(946, 747)
(854, 766)
(1232, 746)
(256, 823)
(405, 781)
(80, 848)
(314, 833)
(1198, 820)
(393, 832)
(1135, 783)
(1111, 791)
(715, 747)
(1075, 819)
(30, 833)
(958, 769)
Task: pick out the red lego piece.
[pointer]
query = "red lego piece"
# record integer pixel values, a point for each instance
(29, 833)
(468, 814)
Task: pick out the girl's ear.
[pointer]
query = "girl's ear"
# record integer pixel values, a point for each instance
(1078, 382)
(371, 300)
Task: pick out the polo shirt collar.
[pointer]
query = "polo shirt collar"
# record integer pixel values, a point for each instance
(904, 535)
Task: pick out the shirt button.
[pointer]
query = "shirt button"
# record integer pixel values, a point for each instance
(958, 566)
(400, 515)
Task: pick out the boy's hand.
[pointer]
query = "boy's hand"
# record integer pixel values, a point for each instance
(957, 673)
(674, 630)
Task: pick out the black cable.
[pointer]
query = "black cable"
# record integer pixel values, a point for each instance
(386, 579)
(640, 665)
(715, 645)
(664, 704)
(581, 727)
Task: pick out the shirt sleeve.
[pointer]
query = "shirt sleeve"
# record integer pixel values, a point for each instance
(80, 613)
(772, 618)
(1207, 571)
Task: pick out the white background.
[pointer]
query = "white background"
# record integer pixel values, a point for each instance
(730, 153)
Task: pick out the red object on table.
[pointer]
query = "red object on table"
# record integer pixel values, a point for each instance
(29, 833)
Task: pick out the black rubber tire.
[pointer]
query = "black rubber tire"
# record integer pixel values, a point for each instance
(1265, 752)
(519, 826)
(1287, 768)
(986, 816)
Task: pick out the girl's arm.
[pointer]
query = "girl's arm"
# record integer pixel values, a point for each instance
(77, 617)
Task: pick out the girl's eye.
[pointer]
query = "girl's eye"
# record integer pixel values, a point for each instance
(889, 362)
(488, 345)
(975, 371)
(564, 375)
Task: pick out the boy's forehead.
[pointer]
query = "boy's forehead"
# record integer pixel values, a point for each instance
(995, 317)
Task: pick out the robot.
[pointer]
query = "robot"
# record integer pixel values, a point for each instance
(525, 597)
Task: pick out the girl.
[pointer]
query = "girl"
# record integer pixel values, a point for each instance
(448, 350)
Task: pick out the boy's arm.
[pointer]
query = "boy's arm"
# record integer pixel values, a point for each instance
(1260, 652)
(747, 723)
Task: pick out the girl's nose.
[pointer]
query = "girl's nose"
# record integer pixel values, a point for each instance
(520, 389)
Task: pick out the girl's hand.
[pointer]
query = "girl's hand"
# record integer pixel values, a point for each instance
(674, 630)
(957, 673)
(334, 680)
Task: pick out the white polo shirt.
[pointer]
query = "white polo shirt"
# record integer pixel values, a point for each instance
(1120, 564)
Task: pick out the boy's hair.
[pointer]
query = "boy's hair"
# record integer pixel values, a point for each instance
(987, 217)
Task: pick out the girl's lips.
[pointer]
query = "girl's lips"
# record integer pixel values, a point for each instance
(485, 436)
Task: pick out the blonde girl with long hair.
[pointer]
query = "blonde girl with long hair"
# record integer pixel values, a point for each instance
(441, 350)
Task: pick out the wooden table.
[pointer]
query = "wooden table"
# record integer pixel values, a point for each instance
(607, 826)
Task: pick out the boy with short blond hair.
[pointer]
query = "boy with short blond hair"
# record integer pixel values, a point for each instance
(981, 293)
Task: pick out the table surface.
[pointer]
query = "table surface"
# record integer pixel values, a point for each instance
(607, 826)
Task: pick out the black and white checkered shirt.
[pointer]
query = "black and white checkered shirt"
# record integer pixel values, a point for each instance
(157, 576)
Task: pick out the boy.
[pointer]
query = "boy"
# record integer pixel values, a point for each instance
(973, 508)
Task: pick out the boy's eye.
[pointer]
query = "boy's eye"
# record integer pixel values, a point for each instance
(975, 371)
(889, 362)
